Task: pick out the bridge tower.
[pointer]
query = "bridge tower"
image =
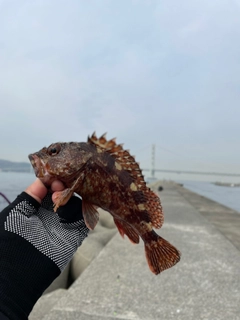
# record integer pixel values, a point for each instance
(153, 162)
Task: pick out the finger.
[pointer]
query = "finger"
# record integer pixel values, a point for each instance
(37, 190)
(57, 185)
(55, 196)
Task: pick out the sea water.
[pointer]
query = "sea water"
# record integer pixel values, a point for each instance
(226, 195)
(13, 183)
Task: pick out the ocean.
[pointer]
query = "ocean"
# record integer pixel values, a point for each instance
(226, 195)
(12, 183)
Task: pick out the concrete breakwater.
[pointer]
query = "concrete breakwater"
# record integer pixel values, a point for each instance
(117, 284)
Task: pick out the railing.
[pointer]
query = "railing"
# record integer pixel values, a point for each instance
(1, 194)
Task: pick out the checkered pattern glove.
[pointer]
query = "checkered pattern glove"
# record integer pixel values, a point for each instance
(36, 244)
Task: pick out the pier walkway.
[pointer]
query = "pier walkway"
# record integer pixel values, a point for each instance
(204, 285)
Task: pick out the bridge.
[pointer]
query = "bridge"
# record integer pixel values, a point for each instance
(210, 173)
(193, 172)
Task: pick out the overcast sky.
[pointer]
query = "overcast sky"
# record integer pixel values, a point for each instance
(147, 72)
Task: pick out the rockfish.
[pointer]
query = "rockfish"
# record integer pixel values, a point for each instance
(107, 176)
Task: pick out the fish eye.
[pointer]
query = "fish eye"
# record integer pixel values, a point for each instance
(54, 149)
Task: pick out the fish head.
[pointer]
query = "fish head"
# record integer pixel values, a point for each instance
(60, 161)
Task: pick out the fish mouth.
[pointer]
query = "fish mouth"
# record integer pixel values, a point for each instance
(39, 167)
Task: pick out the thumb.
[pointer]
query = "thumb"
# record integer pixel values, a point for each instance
(37, 190)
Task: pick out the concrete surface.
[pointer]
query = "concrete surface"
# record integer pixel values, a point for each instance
(46, 303)
(204, 285)
(225, 219)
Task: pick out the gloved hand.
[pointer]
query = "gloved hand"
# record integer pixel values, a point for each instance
(36, 244)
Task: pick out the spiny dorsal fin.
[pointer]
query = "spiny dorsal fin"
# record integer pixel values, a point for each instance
(123, 157)
(102, 141)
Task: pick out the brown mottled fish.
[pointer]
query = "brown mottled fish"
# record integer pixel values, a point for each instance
(107, 176)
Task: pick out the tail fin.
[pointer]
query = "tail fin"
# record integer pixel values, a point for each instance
(161, 255)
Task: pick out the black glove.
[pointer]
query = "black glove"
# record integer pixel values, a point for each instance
(36, 244)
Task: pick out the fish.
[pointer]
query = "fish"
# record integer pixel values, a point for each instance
(106, 176)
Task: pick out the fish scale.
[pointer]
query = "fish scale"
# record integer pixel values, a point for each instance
(107, 176)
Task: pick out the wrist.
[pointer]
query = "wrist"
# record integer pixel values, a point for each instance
(25, 274)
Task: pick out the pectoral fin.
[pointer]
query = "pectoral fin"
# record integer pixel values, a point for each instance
(62, 197)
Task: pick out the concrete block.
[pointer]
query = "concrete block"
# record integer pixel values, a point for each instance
(45, 304)
(106, 219)
(90, 248)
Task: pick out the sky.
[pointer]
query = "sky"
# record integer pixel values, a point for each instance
(163, 73)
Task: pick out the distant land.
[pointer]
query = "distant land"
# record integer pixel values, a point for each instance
(6, 166)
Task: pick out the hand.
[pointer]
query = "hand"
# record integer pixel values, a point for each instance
(36, 244)
(38, 191)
